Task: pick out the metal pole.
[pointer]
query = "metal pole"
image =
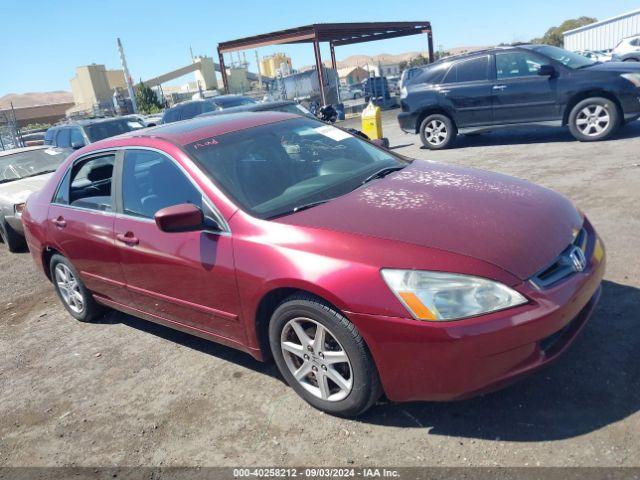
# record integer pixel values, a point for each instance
(223, 71)
(259, 71)
(430, 43)
(316, 51)
(127, 78)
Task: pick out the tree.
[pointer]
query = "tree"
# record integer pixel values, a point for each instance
(146, 100)
(554, 36)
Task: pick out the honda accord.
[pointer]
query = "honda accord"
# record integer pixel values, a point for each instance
(360, 272)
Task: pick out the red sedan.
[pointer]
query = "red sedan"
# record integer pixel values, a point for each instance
(359, 271)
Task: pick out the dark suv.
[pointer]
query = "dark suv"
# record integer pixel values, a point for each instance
(78, 134)
(510, 86)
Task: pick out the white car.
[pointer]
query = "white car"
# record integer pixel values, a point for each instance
(347, 93)
(628, 50)
(598, 56)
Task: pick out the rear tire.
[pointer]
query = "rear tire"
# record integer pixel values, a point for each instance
(437, 132)
(594, 119)
(72, 293)
(12, 239)
(335, 374)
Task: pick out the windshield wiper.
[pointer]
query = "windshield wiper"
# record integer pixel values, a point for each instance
(383, 172)
(299, 208)
(35, 174)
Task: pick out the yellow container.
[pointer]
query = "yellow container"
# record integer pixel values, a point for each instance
(372, 121)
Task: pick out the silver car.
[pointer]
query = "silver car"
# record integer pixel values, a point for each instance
(22, 172)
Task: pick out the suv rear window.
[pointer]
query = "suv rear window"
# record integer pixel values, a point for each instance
(476, 69)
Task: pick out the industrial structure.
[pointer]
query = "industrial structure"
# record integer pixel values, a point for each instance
(336, 34)
(603, 35)
(273, 65)
(93, 87)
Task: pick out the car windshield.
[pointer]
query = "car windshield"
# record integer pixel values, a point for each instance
(30, 163)
(111, 128)
(568, 59)
(276, 169)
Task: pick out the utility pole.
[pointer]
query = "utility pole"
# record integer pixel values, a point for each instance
(127, 78)
(259, 71)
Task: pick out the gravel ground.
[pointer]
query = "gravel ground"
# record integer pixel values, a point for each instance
(126, 392)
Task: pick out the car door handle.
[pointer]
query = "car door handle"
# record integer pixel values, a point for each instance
(129, 238)
(60, 222)
(499, 87)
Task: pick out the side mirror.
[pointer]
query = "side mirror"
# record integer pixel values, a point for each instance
(547, 71)
(77, 145)
(185, 217)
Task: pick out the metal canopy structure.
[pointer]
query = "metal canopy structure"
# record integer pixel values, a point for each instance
(336, 34)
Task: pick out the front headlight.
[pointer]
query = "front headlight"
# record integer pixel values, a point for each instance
(19, 208)
(403, 92)
(448, 296)
(632, 77)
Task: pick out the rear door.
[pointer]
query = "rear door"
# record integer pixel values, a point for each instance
(185, 278)
(80, 223)
(520, 95)
(466, 87)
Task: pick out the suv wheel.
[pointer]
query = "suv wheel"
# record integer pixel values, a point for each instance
(12, 239)
(322, 356)
(437, 132)
(594, 119)
(74, 295)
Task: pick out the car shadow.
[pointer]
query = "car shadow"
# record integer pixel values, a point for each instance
(190, 341)
(596, 383)
(529, 135)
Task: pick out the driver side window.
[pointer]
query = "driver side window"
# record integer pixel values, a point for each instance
(516, 64)
(151, 182)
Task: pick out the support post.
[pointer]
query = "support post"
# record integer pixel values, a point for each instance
(223, 71)
(316, 51)
(430, 42)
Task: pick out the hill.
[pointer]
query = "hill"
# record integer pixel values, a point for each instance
(31, 99)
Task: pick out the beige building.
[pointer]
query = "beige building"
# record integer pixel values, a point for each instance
(238, 80)
(352, 75)
(93, 87)
(270, 65)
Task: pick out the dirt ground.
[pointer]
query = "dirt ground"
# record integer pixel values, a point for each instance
(127, 392)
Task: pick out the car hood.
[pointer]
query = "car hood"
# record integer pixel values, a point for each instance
(18, 190)
(621, 67)
(513, 224)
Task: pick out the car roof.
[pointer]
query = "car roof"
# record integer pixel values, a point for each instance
(485, 51)
(188, 131)
(6, 153)
(91, 121)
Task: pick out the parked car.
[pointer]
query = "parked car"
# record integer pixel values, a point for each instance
(350, 93)
(83, 132)
(32, 139)
(513, 86)
(288, 238)
(598, 56)
(407, 75)
(193, 108)
(628, 50)
(22, 172)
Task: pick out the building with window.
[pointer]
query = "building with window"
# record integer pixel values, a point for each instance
(603, 35)
(352, 75)
(93, 87)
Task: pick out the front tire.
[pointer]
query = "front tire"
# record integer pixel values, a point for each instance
(594, 119)
(437, 132)
(12, 239)
(321, 355)
(72, 293)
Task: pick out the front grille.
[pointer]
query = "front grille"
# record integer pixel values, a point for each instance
(563, 266)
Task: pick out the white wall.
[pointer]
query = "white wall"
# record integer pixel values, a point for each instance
(605, 34)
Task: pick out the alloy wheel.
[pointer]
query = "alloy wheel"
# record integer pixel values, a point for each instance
(593, 120)
(436, 132)
(69, 288)
(316, 359)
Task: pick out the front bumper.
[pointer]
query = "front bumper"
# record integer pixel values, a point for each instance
(455, 360)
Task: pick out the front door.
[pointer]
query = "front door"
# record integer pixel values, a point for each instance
(520, 95)
(185, 278)
(81, 220)
(466, 87)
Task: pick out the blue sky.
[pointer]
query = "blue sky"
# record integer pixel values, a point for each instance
(44, 40)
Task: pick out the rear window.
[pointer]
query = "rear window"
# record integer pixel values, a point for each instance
(98, 131)
(431, 74)
(63, 139)
(476, 69)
